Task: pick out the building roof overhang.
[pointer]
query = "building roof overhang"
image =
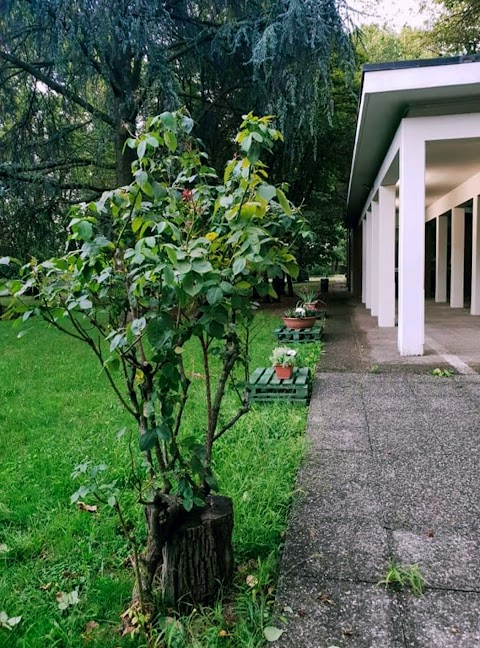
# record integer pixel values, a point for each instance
(392, 91)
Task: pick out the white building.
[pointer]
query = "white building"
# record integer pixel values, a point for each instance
(413, 203)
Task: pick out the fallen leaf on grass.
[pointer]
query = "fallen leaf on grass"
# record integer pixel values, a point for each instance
(46, 586)
(251, 580)
(3, 548)
(90, 627)
(8, 622)
(87, 507)
(67, 599)
(272, 634)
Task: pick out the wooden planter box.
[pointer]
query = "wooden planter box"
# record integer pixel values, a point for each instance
(284, 334)
(264, 386)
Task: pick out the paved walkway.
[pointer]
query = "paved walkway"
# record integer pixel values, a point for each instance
(392, 474)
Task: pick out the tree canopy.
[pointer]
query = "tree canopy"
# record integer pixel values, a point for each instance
(456, 27)
(79, 77)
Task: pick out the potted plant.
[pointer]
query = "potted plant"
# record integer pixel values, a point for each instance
(309, 298)
(299, 317)
(283, 361)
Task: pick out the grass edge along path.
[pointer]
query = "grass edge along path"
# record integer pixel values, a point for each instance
(53, 555)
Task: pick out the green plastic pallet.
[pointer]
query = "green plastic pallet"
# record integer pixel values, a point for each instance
(285, 334)
(265, 386)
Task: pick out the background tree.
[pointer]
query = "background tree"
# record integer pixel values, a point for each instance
(455, 28)
(78, 77)
(379, 44)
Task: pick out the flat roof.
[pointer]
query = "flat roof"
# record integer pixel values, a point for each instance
(389, 92)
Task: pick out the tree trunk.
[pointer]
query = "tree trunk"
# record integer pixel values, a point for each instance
(195, 560)
(124, 156)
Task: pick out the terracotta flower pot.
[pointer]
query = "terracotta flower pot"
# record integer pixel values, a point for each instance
(283, 373)
(299, 322)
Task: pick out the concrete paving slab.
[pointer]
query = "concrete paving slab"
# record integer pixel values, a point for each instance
(340, 484)
(348, 549)
(392, 473)
(441, 620)
(341, 437)
(446, 559)
(346, 615)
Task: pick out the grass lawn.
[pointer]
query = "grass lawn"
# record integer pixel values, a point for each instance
(56, 409)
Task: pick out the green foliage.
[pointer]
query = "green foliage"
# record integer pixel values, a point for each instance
(283, 357)
(300, 311)
(77, 78)
(53, 413)
(184, 255)
(404, 577)
(455, 28)
(380, 44)
(442, 373)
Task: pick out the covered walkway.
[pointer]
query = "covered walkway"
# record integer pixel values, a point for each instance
(414, 195)
(391, 477)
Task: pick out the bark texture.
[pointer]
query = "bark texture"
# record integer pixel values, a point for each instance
(196, 560)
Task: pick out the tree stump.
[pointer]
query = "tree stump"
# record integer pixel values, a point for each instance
(197, 559)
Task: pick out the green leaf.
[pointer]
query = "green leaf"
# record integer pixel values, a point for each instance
(215, 295)
(164, 433)
(228, 170)
(239, 266)
(160, 330)
(118, 340)
(83, 230)
(201, 266)
(168, 120)
(215, 329)
(171, 141)
(168, 275)
(272, 634)
(191, 285)
(147, 440)
(187, 124)
(285, 205)
(138, 325)
(267, 192)
(142, 147)
(137, 223)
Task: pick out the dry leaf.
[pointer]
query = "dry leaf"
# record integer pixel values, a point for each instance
(222, 633)
(87, 507)
(251, 580)
(91, 626)
(323, 598)
(46, 586)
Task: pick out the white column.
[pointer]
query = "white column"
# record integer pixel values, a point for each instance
(475, 304)
(441, 259)
(386, 256)
(374, 256)
(364, 261)
(457, 257)
(368, 219)
(411, 243)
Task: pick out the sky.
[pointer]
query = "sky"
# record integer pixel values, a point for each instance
(394, 13)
